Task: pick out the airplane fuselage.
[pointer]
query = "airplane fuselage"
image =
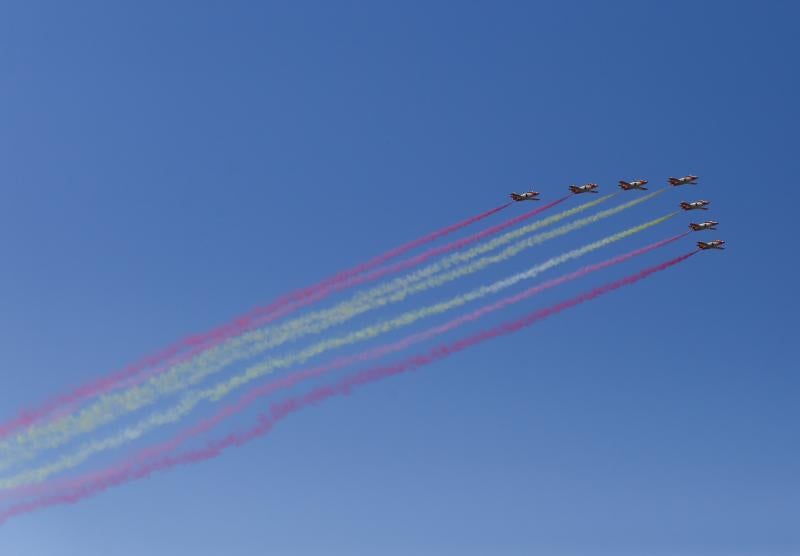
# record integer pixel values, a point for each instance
(633, 185)
(586, 188)
(527, 196)
(686, 180)
(715, 244)
(701, 205)
(707, 225)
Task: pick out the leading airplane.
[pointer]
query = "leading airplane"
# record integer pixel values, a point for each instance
(586, 188)
(707, 225)
(701, 205)
(685, 180)
(716, 244)
(527, 196)
(636, 184)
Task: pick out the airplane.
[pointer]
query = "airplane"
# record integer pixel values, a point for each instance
(707, 225)
(637, 184)
(527, 196)
(695, 205)
(685, 180)
(716, 244)
(586, 188)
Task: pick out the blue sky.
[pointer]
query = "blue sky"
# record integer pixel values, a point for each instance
(168, 165)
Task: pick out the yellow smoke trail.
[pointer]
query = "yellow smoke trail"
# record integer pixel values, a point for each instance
(109, 407)
(224, 388)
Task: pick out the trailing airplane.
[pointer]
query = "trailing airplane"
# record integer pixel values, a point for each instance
(707, 225)
(716, 244)
(527, 196)
(637, 184)
(685, 180)
(586, 188)
(695, 205)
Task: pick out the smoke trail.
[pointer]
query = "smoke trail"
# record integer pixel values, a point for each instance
(111, 407)
(225, 388)
(435, 252)
(321, 291)
(290, 380)
(345, 277)
(220, 356)
(132, 471)
(198, 342)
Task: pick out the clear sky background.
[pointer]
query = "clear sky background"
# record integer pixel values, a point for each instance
(165, 166)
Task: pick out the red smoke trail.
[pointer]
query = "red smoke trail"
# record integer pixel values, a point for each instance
(103, 480)
(201, 342)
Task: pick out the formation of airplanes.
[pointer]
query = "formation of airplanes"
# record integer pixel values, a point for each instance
(640, 184)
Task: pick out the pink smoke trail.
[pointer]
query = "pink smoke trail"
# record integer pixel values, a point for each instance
(130, 471)
(200, 342)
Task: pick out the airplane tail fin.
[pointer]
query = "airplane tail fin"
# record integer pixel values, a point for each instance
(574, 188)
